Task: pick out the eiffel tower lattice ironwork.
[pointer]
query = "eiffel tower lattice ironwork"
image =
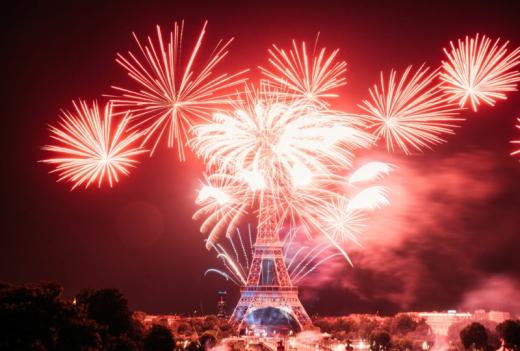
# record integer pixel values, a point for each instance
(268, 283)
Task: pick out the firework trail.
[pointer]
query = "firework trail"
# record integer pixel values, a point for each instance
(478, 71)
(516, 142)
(410, 112)
(299, 74)
(88, 149)
(301, 260)
(172, 98)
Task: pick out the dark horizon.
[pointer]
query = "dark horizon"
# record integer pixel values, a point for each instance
(450, 238)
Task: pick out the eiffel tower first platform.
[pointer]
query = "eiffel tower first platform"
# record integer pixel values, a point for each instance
(269, 300)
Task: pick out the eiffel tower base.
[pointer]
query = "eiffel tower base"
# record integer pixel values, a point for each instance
(270, 304)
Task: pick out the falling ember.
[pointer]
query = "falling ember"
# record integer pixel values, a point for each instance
(478, 71)
(172, 98)
(516, 142)
(410, 112)
(88, 150)
(299, 74)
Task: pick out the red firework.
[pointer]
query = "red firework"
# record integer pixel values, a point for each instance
(172, 98)
(477, 71)
(298, 74)
(88, 149)
(410, 112)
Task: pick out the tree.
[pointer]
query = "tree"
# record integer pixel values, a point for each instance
(207, 341)
(36, 317)
(403, 324)
(158, 338)
(474, 336)
(509, 332)
(109, 308)
(379, 340)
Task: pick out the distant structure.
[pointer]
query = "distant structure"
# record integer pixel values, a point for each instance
(440, 322)
(221, 304)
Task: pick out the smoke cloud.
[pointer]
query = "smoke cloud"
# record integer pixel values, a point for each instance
(448, 240)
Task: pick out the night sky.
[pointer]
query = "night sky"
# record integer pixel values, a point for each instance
(450, 239)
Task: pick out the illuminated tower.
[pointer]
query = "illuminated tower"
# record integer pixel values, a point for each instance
(269, 295)
(221, 304)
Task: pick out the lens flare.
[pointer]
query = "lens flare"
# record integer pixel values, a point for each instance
(172, 97)
(88, 149)
(410, 112)
(301, 74)
(477, 70)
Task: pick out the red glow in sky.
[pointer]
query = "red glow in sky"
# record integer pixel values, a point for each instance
(453, 223)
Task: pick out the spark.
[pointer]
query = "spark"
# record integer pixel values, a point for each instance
(410, 112)
(172, 98)
(341, 222)
(300, 76)
(477, 70)
(88, 149)
(516, 152)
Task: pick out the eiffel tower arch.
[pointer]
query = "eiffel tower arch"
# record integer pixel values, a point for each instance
(268, 287)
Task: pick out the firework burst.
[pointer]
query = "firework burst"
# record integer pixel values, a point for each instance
(410, 112)
(477, 70)
(270, 143)
(172, 98)
(516, 142)
(278, 154)
(89, 150)
(303, 75)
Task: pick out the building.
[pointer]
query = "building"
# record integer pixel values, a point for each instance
(440, 322)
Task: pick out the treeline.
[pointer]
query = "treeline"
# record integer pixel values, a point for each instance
(485, 336)
(37, 317)
(401, 332)
(407, 332)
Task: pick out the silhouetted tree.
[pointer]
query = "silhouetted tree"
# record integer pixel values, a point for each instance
(36, 317)
(158, 338)
(474, 336)
(109, 308)
(509, 332)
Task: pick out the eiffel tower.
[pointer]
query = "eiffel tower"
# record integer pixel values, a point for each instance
(269, 285)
